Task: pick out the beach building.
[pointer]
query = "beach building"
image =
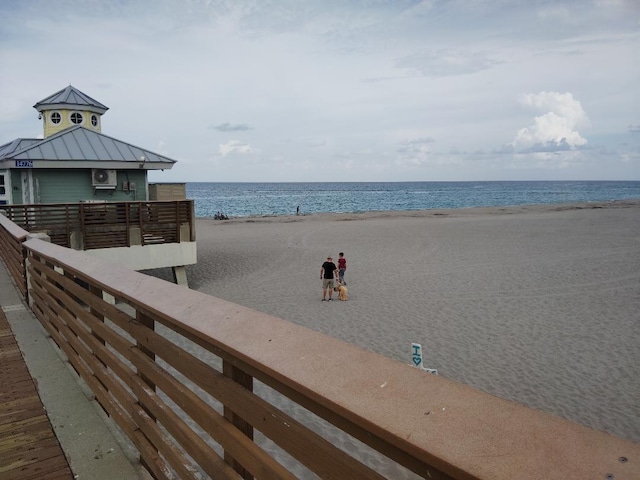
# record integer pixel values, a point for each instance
(90, 191)
(74, 161)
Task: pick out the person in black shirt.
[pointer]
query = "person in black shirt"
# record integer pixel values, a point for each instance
(326, 275)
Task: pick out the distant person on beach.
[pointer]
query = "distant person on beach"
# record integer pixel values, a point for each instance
(298, 210)
(342, 266)
(326, 275)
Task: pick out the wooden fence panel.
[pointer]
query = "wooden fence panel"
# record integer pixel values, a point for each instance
(106, 224)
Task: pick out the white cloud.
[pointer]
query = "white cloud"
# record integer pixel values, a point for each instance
(437, 63)
(234, 147)
(557, 128)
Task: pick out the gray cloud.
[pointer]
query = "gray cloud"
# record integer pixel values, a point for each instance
(419, 141)
(550, 146)
(227, 127)
(446, 62)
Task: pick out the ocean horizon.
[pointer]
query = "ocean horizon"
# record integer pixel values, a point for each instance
(255, 199)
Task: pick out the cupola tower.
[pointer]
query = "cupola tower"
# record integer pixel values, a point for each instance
(67, 108)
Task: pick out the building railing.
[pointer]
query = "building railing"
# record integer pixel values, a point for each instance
(205, 387)
(87, 225)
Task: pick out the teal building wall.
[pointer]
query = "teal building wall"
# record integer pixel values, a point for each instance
(75, 185)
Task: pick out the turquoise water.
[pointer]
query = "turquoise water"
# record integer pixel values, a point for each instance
(260, 199)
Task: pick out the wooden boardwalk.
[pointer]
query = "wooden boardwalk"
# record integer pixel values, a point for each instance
(29, 448)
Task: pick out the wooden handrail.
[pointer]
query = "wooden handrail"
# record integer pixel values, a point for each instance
(225, 371)
(12, 252)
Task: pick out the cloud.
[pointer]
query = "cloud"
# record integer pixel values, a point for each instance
(317, 143)
(415, 152)
(419, 141)
(234, 147)
(350, 90)
(555, 130)
(227, 127)
(444, 63)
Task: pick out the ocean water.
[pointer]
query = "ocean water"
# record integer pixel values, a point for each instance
(269, 199)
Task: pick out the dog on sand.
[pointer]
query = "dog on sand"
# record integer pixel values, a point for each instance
(343, 293)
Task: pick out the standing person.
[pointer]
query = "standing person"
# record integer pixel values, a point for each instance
(298, 210)
(342, 266)
(326, 275)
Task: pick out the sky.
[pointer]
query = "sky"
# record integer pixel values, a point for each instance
(328, 90)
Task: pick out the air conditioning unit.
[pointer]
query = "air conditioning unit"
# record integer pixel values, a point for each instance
(101, 178)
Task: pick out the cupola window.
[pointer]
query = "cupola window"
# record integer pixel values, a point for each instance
(94, 120)
(76, 118)
(56, 118)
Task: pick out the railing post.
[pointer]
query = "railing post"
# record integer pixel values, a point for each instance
(192, 213)
(140, 223)
(83, 226)
(25, 272)
(177, 220)
(149, 323)
(27, 277)
(127, 223)
(246, 381)
(98, 293)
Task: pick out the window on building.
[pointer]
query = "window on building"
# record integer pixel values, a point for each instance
(94, 120)
(56, 118)
(3, 189)
(76, 118)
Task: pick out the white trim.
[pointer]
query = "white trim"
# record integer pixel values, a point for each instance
(7, 197)
(82, 114)
(50, 117)
(26, 178)
(74, 164)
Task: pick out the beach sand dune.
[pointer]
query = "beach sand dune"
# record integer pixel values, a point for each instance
(536, 304)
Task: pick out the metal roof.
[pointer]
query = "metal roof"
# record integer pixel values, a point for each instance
(17, 144)
(80, 144)
(70, 97)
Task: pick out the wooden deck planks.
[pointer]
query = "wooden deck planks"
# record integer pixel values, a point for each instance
(29, 448)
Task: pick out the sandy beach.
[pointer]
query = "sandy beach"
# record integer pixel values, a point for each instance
(537, 304)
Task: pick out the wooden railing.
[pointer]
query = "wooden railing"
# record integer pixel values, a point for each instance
(204, 387)
(12, 252)
(86, 226)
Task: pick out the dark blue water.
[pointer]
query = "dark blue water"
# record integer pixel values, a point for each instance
(261, 199)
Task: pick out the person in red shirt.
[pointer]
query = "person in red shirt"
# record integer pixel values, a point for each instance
(342, 266)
